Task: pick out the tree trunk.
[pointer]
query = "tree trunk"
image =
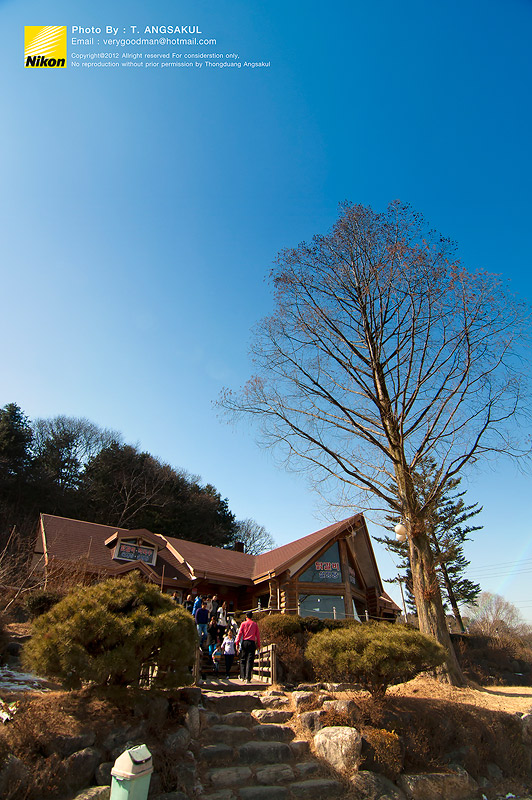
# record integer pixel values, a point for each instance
(448, 586)
(429, 603)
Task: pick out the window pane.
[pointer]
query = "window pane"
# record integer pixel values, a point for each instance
(325, 569)
(323, 606)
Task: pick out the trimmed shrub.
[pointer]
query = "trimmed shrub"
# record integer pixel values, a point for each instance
(42, 600)
(274, 626)
(377, 655)
(105, 633)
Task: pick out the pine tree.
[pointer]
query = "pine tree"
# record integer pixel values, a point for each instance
(447, 530)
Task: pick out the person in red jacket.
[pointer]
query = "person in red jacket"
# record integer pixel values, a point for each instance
(247, 640)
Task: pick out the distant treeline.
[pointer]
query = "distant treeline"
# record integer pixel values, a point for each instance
(73, 468)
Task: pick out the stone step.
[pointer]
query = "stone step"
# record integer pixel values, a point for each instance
(271, 715)
(239, 718)
(216, 754)
(318, 788)
(229, 702)
(263, 793)
(273, 733)
(227, 734)
(227, 777)
(264, 752)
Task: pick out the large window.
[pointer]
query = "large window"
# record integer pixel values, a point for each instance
(325, 569)
(323, 606)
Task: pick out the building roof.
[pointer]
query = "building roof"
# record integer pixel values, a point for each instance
(68, 539)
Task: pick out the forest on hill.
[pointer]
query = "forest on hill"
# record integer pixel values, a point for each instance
(71, 467)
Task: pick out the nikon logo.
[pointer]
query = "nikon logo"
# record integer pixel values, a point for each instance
(45, 46)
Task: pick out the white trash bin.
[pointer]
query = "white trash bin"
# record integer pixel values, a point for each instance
(131, 774)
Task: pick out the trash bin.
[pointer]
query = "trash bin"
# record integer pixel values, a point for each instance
(131, 774)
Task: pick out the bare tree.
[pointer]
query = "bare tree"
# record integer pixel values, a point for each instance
(492, 615)
(382, 350)
(253, 536)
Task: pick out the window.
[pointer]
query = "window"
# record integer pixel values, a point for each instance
(325, 569)
(135, 550)
(323, 606)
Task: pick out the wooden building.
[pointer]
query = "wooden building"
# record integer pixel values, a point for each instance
(329, 573)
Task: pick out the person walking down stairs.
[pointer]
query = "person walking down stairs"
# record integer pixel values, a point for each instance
(249, 637)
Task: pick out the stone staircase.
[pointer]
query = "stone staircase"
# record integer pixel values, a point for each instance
(250, 752)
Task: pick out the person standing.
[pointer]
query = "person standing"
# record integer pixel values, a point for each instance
(228, 647)
(249, 635)
(202, 618)
(221, 620)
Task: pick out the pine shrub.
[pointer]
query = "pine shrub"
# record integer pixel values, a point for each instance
(376, 655)
(42, 600)
(106, 632)
(274, 626)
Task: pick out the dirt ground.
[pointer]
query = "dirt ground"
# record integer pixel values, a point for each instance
(512, 699)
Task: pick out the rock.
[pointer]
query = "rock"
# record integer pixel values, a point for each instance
(343, 687)
(171, 796)
(216, 754)
(273, 733)
(186, 778)
(66, 744)
(239, 718)
(226, 702)
(273, 693)
(312, 720)
(230, 776)
(300, 748)
(372, 786)
(14, 775)
(94, 793)
(263, 793)
(318, 788)
(208, 718)
(103, 773)
(310, 687)
(191, 695)
(264, 752)
(307, 768)
(227, 734)
(223, 794)
(156, 785)
(340, 746)
(493, 771)
(347, 707)
(455, 785)
(271, 715)
(274, 773)
(158, 711)
(178, 741)
(301, 698)
(192, 721)
(80, 768)
(526, 721)
(275, 701)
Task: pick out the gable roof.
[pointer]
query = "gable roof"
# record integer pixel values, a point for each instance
(69, 539)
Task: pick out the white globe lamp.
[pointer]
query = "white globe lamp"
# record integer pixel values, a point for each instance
(400, 532)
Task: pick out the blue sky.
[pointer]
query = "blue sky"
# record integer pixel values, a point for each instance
(142, 209)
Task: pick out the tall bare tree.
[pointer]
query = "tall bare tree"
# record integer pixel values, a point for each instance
(383, 350)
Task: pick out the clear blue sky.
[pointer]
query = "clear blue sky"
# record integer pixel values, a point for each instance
(142, 209)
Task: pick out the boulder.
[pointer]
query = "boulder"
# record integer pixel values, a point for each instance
(301, 698)
(340, 746)
(14, 774)
(80, 768)
(455, 785)
(312, 720)
(103, 773)
(347, 707)
(178, 741)
(192, 721)
(94, 793)
(65, 744)
(275, 701)
(372, 786)
(271, 715)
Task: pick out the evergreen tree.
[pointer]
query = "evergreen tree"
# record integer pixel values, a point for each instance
(447, 530)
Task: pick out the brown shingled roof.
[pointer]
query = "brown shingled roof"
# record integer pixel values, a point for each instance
(69, 539)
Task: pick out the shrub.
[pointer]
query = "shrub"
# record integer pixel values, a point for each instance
(42, 600)
(105, 633)
(279, 625)
(376, 655)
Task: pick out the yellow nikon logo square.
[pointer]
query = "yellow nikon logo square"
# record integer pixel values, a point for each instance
(45, 46)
